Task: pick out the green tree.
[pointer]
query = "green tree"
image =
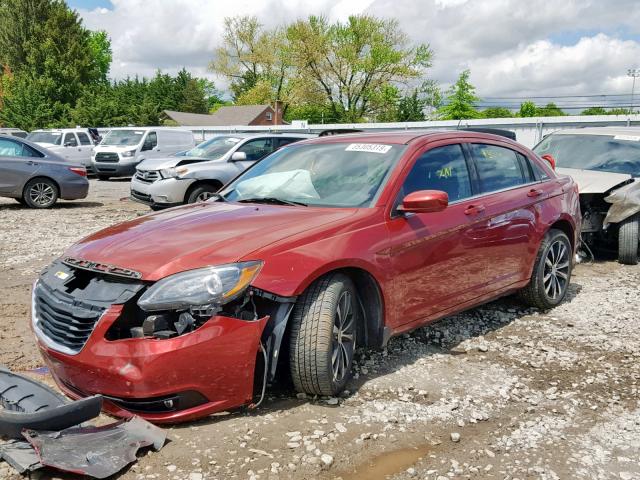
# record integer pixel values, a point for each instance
(52, 58)
(550, 110)
(461, 100)
(349, 64)
(411, 108)
(496, 112)
(100, 47)
(528, 109)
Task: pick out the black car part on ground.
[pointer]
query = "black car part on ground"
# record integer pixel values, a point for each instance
(96, 451)
(30, 404)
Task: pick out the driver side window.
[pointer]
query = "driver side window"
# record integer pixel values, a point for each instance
(441, 168)
(70, 140)
(256, 149)
(151, 141)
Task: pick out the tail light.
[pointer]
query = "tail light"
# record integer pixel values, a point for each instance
(79, 171)
(549, 158)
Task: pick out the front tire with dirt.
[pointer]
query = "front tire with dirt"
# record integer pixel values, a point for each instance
(323, 336)
(628, 240)
(551, 272)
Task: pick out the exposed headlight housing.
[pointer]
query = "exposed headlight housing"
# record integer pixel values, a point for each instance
(201, 287)
(173, 172)
(128, 153)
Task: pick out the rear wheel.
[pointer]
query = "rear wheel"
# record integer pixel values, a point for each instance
(628, 240)
(551, 272)
(40, 193)
(323, 336)
(103, 177)
(202, 192)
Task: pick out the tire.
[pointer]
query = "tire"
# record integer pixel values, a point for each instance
(548, 285)
(40, 193)
(323, 337)
(156, 208)
(103, 178)
(201, 192)
(628, 240)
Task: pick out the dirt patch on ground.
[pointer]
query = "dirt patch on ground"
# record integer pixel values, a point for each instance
(500, 392)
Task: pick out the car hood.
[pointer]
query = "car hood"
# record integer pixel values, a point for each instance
(168, 162)
(198, 235)
(592, 181)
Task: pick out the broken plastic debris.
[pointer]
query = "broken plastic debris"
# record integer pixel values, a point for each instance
(96, 451)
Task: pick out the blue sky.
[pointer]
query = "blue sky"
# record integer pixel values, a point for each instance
(89, 4)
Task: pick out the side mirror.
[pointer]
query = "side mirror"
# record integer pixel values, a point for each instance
(425, 201)
(238, 156)
(549, 158)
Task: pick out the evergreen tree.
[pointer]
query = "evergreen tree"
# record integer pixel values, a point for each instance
(461, 100)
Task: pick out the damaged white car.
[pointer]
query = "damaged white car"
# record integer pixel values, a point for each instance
(605, 162)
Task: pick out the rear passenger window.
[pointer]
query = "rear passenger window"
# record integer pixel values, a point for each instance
(441, 168)
(84, 138)
(538, 172)
(498, 168)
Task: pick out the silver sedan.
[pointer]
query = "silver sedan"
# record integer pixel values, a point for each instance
(37, 177)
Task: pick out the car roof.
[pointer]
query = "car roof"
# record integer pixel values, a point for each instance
(174, 129)
(61, 130)
(407, 137)
(599, 131)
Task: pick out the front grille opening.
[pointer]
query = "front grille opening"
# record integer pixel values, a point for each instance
(79, 281)
(165, 404)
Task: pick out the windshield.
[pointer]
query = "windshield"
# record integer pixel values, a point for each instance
(328, 175)
(123, 137)
(605, 153)
(45, 137)
(214, 148)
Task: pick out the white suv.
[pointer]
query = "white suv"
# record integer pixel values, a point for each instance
(74, 144)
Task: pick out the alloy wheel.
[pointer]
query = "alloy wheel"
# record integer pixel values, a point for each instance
(41, 194)
(343, 337)
(556, 270)
(204, 196)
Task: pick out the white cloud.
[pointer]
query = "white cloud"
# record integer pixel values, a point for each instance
(512, 47)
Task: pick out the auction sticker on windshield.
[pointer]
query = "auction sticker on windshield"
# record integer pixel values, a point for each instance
(629, 138)
(368, 147)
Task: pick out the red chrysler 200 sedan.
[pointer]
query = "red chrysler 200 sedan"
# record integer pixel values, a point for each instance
(324, 245)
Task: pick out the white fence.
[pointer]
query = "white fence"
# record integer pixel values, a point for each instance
(529, 131)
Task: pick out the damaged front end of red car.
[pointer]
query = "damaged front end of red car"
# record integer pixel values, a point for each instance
(162, 350)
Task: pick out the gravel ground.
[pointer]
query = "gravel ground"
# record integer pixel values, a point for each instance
(499, 392)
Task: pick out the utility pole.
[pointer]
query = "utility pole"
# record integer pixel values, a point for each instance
(633, 73)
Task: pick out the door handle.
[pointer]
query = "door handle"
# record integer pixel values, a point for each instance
(474, 209)
(31, 163)
(534, 192)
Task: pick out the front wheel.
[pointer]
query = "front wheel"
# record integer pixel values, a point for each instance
(551, 272)
(323, 336)
(628, 240)
(40, 193)
(202, 193)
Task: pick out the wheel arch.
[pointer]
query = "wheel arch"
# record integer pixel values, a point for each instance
(199, 183)
(565, 226)
(370, 298)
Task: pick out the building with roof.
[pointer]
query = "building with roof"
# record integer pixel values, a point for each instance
(230, 116)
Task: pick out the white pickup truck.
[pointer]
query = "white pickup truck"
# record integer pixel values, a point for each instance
(74, 144)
